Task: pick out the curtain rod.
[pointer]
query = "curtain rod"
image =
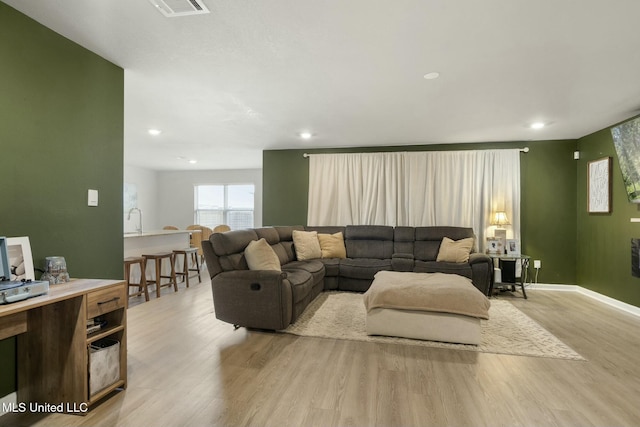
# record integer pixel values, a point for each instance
(522, 150)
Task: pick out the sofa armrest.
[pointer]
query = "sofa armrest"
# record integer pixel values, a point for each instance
(482, 272)
(402, 262)
(477, 257)
(253, 298)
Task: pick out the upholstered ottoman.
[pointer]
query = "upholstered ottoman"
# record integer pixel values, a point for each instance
(427, 306)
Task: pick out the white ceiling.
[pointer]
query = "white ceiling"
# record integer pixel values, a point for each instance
(250, 75)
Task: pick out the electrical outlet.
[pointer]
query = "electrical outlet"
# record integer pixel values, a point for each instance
(537, 263)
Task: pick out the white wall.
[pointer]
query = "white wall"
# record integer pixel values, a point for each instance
(146, 182)
(176, 193)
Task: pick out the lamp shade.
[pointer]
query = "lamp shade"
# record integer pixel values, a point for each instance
(499, 218)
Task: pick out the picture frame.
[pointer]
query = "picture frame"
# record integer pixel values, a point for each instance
(20, 258)
(599, 185)
(513, 247)
(495, 246)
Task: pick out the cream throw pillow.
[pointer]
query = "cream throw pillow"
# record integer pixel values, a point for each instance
(332, 245)
(261, 256)
(306, 244)
(455, 251)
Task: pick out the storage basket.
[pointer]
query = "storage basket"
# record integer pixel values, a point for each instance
(104, 364)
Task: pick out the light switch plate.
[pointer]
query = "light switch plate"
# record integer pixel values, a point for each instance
(92, 198)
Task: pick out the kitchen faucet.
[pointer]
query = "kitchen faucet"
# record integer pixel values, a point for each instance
(139, 230)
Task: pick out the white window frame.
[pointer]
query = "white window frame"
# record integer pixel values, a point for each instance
(226, 210)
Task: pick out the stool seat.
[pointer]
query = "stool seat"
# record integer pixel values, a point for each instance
(142, 283)
(157, 280)
(188, 253)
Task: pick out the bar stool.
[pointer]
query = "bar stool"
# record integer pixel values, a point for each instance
(188, 253)
(157, 280)
(142, 283)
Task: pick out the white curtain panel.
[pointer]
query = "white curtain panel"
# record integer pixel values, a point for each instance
(455, 188)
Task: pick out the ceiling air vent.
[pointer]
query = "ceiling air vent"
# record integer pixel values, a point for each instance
(174, 8)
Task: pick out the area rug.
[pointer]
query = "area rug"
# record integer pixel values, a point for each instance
(341, 315)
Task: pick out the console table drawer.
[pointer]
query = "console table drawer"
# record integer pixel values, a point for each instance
(105, 301)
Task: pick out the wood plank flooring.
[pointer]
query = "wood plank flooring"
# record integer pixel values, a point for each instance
(186, 368)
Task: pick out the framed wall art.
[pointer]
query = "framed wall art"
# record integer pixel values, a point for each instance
(599, 186)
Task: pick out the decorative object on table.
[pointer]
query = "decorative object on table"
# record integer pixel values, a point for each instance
(495, 246)
(20, 260)
(513, 247)
(599, 185)
(499, 219)
(55, 270)
(15, 283)
(626, 140)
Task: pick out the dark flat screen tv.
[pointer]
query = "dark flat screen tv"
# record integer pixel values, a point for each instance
(626, 139)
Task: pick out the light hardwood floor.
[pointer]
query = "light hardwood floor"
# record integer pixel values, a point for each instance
(186, 368)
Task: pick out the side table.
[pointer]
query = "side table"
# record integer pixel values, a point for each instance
(524, 271)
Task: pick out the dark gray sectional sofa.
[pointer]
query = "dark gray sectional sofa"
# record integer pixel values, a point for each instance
(273, 300)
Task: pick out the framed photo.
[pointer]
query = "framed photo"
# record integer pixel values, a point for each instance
(599, 185)
(513, 247)
(495, 246)
(20, 259)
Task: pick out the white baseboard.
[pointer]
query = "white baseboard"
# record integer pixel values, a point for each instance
(631, 309)
(9, 399)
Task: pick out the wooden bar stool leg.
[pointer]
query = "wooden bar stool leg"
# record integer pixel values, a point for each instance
(173, 272)
(143, 278)
(198, 270)
(185, 269)
(158, 276)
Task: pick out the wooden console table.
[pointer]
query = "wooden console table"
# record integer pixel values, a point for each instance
(53, 348)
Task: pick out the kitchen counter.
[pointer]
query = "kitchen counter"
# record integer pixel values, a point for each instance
(158, 233)
(155, 241)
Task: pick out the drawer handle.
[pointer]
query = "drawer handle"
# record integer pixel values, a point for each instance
(114, 299)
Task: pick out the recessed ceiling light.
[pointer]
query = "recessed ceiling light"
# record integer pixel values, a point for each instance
(537, 125)
(155, 132)
(193, 162)
(432, 75)
(305, 135)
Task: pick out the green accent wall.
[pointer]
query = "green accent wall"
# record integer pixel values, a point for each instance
(548, 181)
(604, 240)
(61, 133)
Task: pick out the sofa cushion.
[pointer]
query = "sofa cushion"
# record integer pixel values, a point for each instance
(314, 267)
(363, 268)
(460, 268)
(286, 232)
(301, 284)
(285, 252)
(403, 238)
(428, 240)
(306, 245)
(369, 241)
(325, 229)
(332, 245)
(260, 256)
(331, 266)
(230, 246)
(455, 251)
(270, 234)
(232, 242)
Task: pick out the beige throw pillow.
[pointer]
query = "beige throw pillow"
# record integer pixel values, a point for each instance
(332, 245)
(261, 256)
(306, 244)
(455, 251)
